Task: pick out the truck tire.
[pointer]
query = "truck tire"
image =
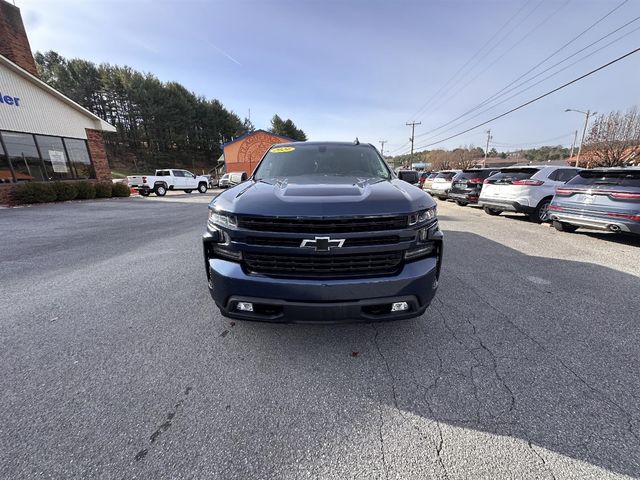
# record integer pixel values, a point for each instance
(564, 227)
(144, 193)
(160, 190)
(462, 203)
(492, 211)
(202, 188)
(188, 191)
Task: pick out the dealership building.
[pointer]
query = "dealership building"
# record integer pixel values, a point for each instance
(44, 136)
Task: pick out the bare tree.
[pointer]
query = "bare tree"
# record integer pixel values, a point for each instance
(614, 138)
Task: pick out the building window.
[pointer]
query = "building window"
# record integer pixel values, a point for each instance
(24, 157)
(80, 159)
(54, 158)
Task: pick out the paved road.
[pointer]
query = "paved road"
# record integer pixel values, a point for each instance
(116, 364)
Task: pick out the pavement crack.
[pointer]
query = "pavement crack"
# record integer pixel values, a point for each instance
(543, 348)
(544, 462)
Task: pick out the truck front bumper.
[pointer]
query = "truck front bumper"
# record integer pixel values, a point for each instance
(298, 300)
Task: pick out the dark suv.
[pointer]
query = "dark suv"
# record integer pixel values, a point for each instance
(467, 185)
(603, 198)
(322, 232)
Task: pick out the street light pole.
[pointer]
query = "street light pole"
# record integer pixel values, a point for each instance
(586, 114)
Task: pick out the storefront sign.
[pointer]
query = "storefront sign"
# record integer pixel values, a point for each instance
(58, 161)
(9, 100)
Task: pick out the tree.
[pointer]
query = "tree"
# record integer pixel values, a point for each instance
(614, 138)
(158, 124)
(286, 128)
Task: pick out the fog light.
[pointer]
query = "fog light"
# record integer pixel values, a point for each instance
(244, 306)
(399, 306)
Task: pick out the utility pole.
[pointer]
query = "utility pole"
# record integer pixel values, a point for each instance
(486, 150)
(586, 114)
(573, 145)
(382, 142)
(413, 129)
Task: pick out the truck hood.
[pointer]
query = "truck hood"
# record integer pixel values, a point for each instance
(321, 196)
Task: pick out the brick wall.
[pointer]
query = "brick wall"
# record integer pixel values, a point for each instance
(14, 43)
(6, 192)
(98, 155)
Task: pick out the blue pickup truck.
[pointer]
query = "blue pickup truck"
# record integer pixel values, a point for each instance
(322, 232)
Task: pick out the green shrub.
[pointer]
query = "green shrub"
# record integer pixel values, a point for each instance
(65, 191)
(121, 190)
(104, 190)
(34, 193)
(86, 190)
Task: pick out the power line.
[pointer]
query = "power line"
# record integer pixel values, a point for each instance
(523, 38)
(443, 99)
(539, 81)
(496, 94)
(448, 82)
(535, 99)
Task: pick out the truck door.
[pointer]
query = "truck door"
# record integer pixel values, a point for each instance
(177, 179)
(189, 181)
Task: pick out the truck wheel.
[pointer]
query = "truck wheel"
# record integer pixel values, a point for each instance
(202, 188)
(461, 203)
(564, 227)
(492, 211)
(160, 190)
(144, 193)
(188, 191)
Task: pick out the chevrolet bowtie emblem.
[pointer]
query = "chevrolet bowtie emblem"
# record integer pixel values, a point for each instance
(322, 244)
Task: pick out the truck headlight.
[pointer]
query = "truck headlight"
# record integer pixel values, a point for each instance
(422, 216)
(222, 219)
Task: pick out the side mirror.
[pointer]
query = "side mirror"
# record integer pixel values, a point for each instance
(406, 176)
(194, 175)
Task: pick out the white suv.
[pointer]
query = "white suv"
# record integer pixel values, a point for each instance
(442, 184)
(526, 189)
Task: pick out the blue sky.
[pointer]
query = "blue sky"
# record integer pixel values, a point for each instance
(342, 69)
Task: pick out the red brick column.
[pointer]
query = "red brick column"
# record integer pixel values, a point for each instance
(98, 154)
(14, 43)
(6, 194)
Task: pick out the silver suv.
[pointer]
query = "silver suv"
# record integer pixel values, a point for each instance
(526, 190)
(604, 199)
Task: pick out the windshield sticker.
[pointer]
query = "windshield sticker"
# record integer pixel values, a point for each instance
(282, 149)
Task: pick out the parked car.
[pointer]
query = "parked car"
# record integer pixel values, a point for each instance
(168, 179)
(604, 199)
(527, 190)
(467, 185)
(343, 239)
(409, 176)
(224, 181)
(426, 185)
(442, 183)
(212, 181)
(423, 177)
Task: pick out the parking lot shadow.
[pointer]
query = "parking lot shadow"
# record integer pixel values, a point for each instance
(532, 351)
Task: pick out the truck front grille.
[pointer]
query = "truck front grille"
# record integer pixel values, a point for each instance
(381, 263)
(349, 242)
(335, 225)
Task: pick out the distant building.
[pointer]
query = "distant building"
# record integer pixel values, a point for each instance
(244, 153)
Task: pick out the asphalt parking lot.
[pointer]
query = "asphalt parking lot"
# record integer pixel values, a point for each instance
(116, 363)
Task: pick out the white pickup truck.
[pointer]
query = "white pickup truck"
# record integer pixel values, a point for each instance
(169, 179)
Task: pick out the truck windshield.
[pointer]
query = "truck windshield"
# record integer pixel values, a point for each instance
(326, 160)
